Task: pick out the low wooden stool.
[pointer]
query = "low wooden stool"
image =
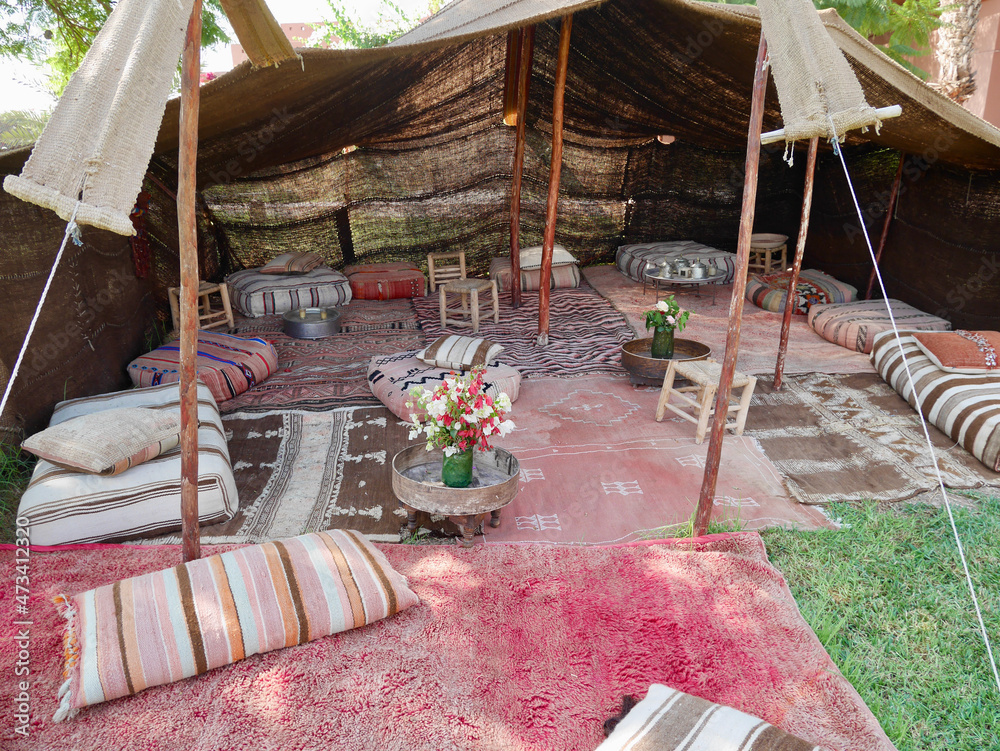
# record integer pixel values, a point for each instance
(704, 374)
(468, 312)
(453, 268)
(208, 317)
(767, 259)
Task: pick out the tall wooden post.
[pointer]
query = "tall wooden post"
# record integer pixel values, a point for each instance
(714, 457)
(893, 195)
(527, 48)
(188, 240)
(800, 249)
(549, 239)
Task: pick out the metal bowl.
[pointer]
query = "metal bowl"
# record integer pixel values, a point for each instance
(312, 323)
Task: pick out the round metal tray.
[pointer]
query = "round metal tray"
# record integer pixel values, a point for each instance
(436, 498)
(312, 323)
(645, 369)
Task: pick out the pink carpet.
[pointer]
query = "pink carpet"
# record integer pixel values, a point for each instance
(513, 647)
(808, 352)
(596, 467)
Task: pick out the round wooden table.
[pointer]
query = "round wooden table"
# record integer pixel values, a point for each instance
(646, 370)
(416, 482)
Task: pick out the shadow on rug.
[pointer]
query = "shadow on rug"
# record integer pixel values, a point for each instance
(585, 333)
(850, 437)
(511, 648)
(323, 374)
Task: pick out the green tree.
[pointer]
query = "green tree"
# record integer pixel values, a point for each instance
(58, 33)
(346, 32)
(899, 29)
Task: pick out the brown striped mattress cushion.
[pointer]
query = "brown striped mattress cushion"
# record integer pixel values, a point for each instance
(162, 627)
(854, 324)
(69, 506)
(564, 276)
(255, 294)
(965, 407)
(670, 720)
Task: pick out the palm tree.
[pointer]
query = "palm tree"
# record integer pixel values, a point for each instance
(954, 48)
(20, 128)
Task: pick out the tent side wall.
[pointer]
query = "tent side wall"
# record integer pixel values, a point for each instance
(94, 322)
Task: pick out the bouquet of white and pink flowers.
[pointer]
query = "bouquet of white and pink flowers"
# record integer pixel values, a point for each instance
(458, 415)
(667, 315)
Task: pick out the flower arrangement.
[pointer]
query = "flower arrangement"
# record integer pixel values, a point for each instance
(459, 415)
(667, 315)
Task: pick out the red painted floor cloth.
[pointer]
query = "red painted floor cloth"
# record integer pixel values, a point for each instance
(513, 647)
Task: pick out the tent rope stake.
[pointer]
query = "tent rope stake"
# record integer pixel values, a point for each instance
(923, 422)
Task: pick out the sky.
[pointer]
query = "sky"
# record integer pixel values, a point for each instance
(21, 84)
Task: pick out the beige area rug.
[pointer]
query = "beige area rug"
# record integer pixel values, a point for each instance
(849, 437)
(808, 352)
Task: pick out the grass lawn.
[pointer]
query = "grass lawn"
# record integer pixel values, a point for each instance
(888, 598)
(15, 469)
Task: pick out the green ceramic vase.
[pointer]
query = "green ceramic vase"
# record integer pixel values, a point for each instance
(456, 470)
(663, 344)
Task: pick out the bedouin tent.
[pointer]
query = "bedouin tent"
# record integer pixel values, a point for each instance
(394, 152)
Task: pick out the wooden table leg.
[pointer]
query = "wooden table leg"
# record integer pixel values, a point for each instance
(495, 518)
(411, 518)
(467, 526)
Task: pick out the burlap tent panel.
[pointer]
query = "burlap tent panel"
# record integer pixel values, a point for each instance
(259, 33)
(97, 144)
(817, 89)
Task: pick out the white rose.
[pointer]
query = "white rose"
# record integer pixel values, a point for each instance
(662, 306)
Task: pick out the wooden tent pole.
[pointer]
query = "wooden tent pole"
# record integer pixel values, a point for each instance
(705, 501)
(527, 47)
(893, 195)
(800, 249)
(549, 239)
(187, 231)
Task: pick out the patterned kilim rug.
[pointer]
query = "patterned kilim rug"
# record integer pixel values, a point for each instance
(808, 352)
(585, 333)
(323, 374)
(595, 468)
(850, 437)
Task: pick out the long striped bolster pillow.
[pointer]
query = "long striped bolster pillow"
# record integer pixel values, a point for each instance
(172, 624)
(965, 407)
(669, 720)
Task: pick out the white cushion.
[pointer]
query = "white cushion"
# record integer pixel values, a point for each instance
(531, 258)
(66, 506)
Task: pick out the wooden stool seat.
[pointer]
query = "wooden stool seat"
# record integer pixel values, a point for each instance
(208, 316)
(445, 267)
(705, 375)
(468, 312)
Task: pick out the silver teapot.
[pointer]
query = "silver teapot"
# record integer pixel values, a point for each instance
(684, 268)
(698, 269)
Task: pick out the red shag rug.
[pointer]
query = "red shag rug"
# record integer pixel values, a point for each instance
(512, 647)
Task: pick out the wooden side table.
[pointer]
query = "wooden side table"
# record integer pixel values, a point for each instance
(768, 252)
(209, 317)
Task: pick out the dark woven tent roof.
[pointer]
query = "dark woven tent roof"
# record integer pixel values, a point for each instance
(394, 152)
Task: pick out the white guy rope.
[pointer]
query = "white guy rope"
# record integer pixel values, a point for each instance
(923, 422)
(71, 231)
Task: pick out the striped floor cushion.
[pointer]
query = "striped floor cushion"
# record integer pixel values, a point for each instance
(385, 281)
(392, 376)
(768, 291)
(566, 275)
(254, 294)
(125, 637)
(632, 259)
(228, 364)
(854, 324)
(670, 720)
(965, 407)
(64, 506)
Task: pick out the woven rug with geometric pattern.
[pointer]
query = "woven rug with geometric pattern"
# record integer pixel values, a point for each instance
(850, 437)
